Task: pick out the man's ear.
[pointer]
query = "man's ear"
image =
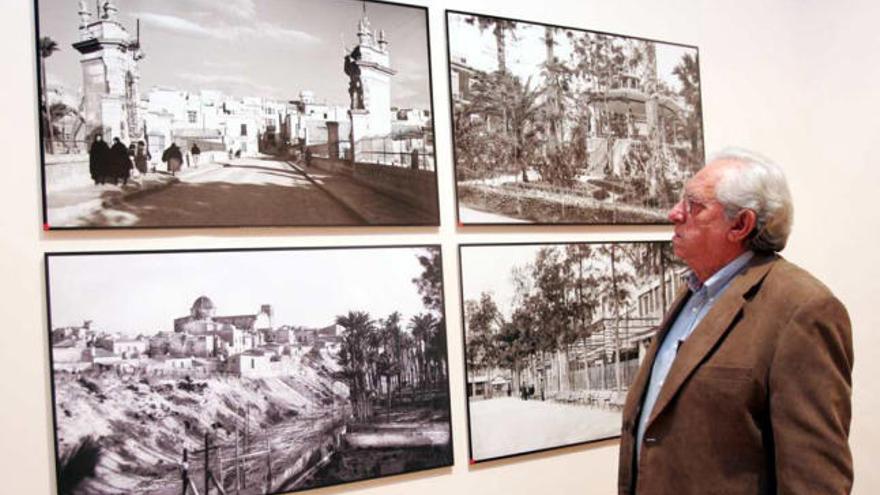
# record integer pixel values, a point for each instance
(743, 225)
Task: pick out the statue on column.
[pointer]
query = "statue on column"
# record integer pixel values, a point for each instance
(84, 14)
(110, 10)
(355, 85)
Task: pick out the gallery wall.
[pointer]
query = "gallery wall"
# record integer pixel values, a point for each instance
(793, 79)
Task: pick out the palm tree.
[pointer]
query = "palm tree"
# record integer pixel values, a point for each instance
(423, 327)
(688, 73)
(500, 27)
(391, 352)
(47, 47)
(355, 358)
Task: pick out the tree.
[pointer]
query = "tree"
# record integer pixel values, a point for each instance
(688, 73)
(553, 308)
(356, 359)
(430, 282)
(47, 46)
(423, 326)
(562, 155)
(655, 260)
(483, 321)
(389, 362)
(500, 99)
(58, 111)
(500, 28)
(429, 328)
(616, 287)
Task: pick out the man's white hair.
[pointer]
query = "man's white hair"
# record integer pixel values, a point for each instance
(758, 185)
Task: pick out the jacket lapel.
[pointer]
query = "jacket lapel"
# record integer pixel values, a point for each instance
(711, 329)
(637, 388)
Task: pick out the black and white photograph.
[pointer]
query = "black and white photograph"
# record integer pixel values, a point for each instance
(246, 371)
(242, 113)
(561, 125)
(554, 334)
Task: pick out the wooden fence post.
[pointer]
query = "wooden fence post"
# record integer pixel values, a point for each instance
(207, 464)
(184, 469)
(237, 464)
(268, 465)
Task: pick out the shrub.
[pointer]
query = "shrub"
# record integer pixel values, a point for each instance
(78, 465)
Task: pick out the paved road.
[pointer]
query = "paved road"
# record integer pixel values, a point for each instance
(508, 425)
(246, 192)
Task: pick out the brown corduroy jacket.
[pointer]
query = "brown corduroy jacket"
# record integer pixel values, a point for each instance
(758, 398)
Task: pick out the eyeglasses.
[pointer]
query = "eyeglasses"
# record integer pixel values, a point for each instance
(693, 205)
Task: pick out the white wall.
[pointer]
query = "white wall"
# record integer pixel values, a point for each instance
(794, 79)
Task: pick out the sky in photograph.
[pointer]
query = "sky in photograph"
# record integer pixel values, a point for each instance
(488, 269)
(144, 293)
(526, 51)
(267, 48)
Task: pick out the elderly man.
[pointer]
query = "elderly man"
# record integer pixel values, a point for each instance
(746, 389)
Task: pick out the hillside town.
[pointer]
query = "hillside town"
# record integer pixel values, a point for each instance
(202, 343)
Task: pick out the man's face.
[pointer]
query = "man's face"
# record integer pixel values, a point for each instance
(701, 229)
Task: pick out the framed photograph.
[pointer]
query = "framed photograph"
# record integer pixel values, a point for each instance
(252, 113)
(554, 334)
(246, 371)
(561, 125)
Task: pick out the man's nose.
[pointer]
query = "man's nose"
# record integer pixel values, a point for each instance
(677, 214)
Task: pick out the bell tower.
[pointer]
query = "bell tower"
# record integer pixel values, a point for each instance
(373, 58)
(111, 78)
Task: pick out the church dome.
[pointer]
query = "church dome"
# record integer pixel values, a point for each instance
(202, 308)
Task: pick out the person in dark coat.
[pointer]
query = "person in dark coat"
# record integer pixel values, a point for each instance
(141, 157)
(174, 157)
(121, 162)
(195, 151)
(99, 158)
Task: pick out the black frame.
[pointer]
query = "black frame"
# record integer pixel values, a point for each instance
(42, 133)
(59, 254)
(471, 458)
(527, 223)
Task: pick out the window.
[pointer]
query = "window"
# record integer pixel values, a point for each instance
(192, 116)
(252, 363)
(244, 129)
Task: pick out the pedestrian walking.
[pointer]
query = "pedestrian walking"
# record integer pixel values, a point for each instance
(99, 157)
(414, 159)
(173, 157)
(141, 157)
(195, 151)
(121, 163)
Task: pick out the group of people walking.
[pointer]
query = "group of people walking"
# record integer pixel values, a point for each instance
(114, 164)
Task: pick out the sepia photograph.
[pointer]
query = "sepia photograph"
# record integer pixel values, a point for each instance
(561, 125)
(246, 371)
(554, 334)
(245, 113)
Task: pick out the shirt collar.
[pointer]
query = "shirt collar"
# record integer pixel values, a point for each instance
(722, 277)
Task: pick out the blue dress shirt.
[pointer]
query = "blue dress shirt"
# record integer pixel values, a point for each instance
(703, 297)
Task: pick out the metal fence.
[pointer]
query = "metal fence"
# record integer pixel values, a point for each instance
(406, 153)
